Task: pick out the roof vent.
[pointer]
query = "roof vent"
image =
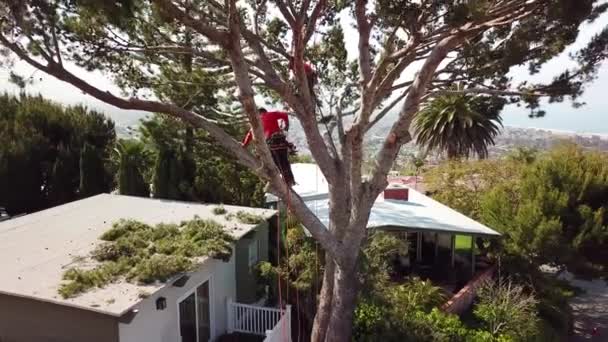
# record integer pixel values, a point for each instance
(396, 192)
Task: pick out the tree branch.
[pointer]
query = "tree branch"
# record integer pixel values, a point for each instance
(317, 12)
(399, 135)
(487, 91)
(223, 138)
(385, 110)
(364, 27)
(241, 72)
(291, 20)
(56, 43)
(217, 36)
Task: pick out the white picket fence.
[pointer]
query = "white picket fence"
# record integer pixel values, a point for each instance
(259, 320)
(281, 331)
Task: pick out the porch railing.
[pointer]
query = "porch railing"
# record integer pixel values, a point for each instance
(282, 330)
(259, 320)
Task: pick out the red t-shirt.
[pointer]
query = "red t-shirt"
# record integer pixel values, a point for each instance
(270, 123)
(308, 70)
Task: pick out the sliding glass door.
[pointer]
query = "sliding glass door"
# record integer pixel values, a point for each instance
(203, 309)
(195, 315)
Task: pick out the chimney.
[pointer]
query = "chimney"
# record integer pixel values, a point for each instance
(396, 192)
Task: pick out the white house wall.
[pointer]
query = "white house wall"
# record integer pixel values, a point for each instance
(152, 325)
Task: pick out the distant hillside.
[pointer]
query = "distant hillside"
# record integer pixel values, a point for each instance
(509, 139)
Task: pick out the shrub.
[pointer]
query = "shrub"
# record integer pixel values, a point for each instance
(506, 308)
(377, 256)
(416, 294)
(368, 322)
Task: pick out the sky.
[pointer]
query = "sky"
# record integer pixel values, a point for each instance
(590, 118)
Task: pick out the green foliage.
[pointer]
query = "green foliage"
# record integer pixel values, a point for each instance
(301, 158)
(368, 322)
(249, 218)
(188, 166)
(409, 313)
(556, 212)
(133, 161)
(91, 171)
(51, 154)
(160, 268)
(547, 205)
(219, 210)
(507, 309)
(299, 266)
(461, 185)
(377, 259)
(137, 252)
(459, 125)
(122, 228)
(550, 207)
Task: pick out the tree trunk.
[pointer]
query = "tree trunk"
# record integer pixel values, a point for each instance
(321, 322)
(340, 326)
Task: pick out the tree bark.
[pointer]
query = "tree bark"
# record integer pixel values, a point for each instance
(340, 325)
(321, 322)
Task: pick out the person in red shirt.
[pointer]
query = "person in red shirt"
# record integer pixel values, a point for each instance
(273, 124)
(311, 74)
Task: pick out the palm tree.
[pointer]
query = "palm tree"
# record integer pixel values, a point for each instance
(133, 161)
(459, 124)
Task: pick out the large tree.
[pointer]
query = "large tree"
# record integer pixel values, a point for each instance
(408, 52)
(51, 154)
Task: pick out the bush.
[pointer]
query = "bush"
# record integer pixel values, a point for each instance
(507, 309)
(376, 263)
(369, 322)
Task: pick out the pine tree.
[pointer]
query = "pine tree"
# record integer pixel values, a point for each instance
(91, 171)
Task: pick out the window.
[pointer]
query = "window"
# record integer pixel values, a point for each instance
(253, 253)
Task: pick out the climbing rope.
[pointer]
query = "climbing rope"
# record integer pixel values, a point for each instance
(281, 313)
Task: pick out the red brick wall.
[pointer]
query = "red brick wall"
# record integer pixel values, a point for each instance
(462, 300)
(396, 194)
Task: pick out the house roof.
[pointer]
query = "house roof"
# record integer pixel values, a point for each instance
(419, 212)
(310, 182)
(36, 249)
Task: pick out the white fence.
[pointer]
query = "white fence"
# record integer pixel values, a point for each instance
(281, 331)
(259, 320)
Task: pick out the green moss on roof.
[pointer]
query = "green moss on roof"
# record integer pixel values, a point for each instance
(249, 218)
(139, 253)
(219, 210)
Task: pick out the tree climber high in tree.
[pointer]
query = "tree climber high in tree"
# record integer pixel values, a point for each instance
(273, 124)
(408, 52)
(311, 74)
